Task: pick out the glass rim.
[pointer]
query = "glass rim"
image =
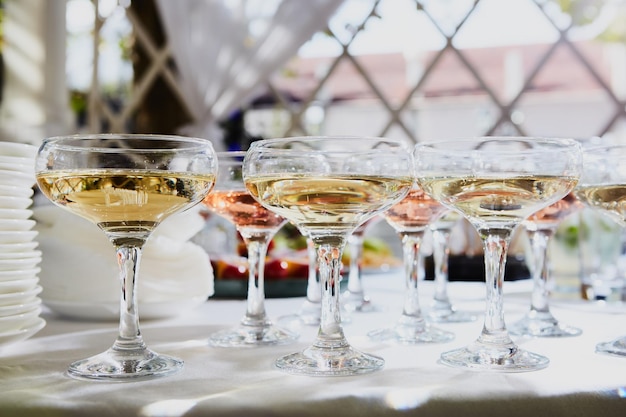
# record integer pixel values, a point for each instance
(231, 154)
(320, 138)
(59, 141)
(605, 148)
(427, 147)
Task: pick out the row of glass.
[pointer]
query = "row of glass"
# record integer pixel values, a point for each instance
(329, 187)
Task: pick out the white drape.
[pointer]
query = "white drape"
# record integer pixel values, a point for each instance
(222, 56)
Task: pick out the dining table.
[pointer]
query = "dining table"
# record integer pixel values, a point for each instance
(219, 381)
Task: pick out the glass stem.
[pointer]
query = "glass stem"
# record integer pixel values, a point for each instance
(496, 244)
(539, 242)
(441, 253)
(355, 241)
(129, 337)
(414, 272)
(256, 245)
(330, 334)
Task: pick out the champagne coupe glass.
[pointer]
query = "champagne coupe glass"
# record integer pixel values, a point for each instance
(410, 218)
(496, 183)
(441, 309)
(126, 184)
(354, 297)
(257, 226)
(603, 188)
(327, 186)
(541, 226)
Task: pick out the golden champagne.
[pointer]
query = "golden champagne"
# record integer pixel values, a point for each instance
(610, 198)
(502, 201)
(334, 202)
(124, 201)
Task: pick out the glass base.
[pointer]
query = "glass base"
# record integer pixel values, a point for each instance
(247, 336)
(115, 365)
(316, 361)
(449, 316)
(310, 314)
(357, 302)
(542, 325)
(411, 331)
(499, 358)
(615, 347)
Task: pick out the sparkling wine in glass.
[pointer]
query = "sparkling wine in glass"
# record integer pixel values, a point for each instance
(603, 188)
(441, 308)
(411, 218)
(327, 186)
(257, 226)
(541, 226)
(126, 185)
(496, 183)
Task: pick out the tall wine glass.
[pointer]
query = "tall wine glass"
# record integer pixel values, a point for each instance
(541, 226)
(496, 183)
(354, 298)
(257, 226)
(126, 185)
(327, 186)
(410, 218)
(603, 188)
(441, 309)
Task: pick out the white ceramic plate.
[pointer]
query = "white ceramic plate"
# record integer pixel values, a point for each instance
(21, 150)
(30, 254)
(15, 191)
(17, 237)
(16, 225)
(18, 285)
(22, 333)
(19, 308)
(24, 254)
(17, 214)
(19, 274)
(19, 160)
(17, 321)
(110, 311)
(19, 264)
(12, 202)
(20, 179)
(28, 169)
(25, 247)
(19, 297)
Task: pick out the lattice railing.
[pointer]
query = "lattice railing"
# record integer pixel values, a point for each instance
(505, 108)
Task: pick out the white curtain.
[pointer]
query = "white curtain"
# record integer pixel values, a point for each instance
(225, 49)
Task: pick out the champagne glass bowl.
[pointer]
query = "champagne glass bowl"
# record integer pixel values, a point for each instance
(496, 183)
(327, 187)
(603, 188)
(126, 184)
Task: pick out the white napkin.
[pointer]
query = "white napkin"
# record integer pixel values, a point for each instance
(79, 263)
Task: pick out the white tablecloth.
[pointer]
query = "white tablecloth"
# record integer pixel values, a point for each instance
(243, 382)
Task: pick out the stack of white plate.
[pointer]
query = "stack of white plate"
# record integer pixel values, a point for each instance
(20, 306)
